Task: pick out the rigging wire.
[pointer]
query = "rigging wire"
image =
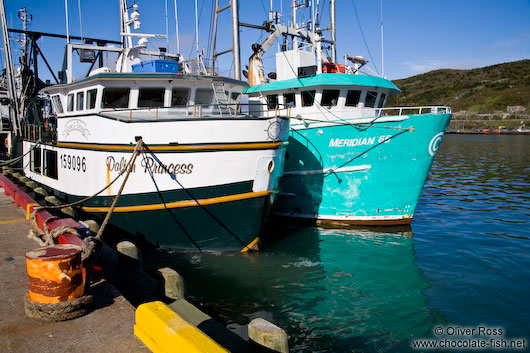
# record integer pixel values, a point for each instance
(177, 27)
(80, 18)
(167, 26)
(362, 34)
(332, 171)
(193, 197)
(264, 10)
(210, 31)
(164, 202)
(195, 35)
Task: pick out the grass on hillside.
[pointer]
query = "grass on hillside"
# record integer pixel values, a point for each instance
(482, 90)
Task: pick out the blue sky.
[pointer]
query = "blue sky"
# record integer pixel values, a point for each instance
(419, 35)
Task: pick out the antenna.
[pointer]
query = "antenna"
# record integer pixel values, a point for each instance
(177, 28)
(12, 93)
(382, 44)
(333, 28)
(80, 18)
(295, 39)
(167, 27)
(197, 29)
(66, 14)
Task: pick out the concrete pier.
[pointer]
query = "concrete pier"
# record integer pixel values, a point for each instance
(109, 328)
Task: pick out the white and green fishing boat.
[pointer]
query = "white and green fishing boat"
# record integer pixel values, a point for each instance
(349, 159)
(206, 173)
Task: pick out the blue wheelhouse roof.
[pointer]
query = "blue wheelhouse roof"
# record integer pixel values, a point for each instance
(327, 79)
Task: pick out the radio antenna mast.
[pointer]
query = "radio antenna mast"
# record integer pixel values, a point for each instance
(177, 28)
(382, 44)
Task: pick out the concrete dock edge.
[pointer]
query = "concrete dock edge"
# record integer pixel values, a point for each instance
(163, 330)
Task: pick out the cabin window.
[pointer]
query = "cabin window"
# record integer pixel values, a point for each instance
(180, 96)
(330, 97)
(382, 100)
(70, 103)
(91, 95)
(35, 163)
(289, 100)
(370, 99)
(235, 97)
(57, 104)
(203, 96)
(115, 97)
(272, 101)
(151, 97)
(352, 98)
(79, 101)
(308, 97)
(50, 164)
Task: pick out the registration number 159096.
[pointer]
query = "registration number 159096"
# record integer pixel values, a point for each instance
(72, 162)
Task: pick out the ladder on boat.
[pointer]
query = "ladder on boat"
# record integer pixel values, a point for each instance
(221, 97)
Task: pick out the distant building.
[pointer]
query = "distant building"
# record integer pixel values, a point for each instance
(515, 109)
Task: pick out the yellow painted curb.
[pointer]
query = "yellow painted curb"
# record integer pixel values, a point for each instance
(28, 209)
(163, 331)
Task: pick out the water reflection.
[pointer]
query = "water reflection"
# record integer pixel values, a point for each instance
(331, 290)
(472, 227)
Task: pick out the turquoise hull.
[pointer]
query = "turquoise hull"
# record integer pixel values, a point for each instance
(365, 175)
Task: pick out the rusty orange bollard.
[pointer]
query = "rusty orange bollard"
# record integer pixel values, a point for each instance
(55, 273)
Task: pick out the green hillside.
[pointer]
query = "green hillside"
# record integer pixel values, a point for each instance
(482, 90)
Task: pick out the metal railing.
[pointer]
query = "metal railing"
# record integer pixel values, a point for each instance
(318, 112)
(264, 110)
(413, 110)
(34, 133)
(225, 110)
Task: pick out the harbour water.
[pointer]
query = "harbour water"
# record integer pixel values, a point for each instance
(464, 261)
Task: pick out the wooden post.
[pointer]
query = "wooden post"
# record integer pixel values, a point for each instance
(267, 337)
(128, 254)
(92, 225)
(171, 283)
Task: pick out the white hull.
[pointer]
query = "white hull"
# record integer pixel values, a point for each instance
(84, 168)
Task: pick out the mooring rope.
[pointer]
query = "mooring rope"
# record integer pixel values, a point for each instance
(116, 198)
(194, 199)
(75, 203)
(90, 242)
(16, 159)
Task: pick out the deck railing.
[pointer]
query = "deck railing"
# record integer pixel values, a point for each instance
(262, 110)
(33, 133)
(234, 110)
(413, 110)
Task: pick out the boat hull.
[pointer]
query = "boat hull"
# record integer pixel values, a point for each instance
(371, 174)
(223, 217)
(207, 194)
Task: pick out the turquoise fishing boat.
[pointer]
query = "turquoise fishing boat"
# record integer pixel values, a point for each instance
(349, 159)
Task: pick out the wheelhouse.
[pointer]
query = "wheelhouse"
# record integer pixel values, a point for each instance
(335, 93)
(176, 95)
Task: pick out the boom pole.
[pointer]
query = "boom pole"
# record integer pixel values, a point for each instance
(14, 107)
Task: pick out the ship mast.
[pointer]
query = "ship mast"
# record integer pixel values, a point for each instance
(333, 31)
(233, 6)
(13, 106)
